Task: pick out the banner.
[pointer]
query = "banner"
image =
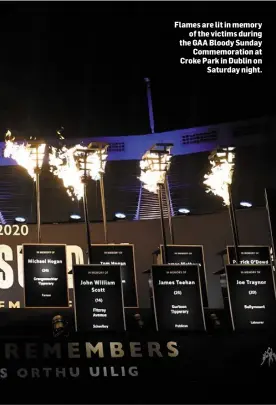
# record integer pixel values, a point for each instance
(177, 298)
(251, 293)
(119, 255)
(186, 255)
(98, 299)
(45, 276)
(139, 358)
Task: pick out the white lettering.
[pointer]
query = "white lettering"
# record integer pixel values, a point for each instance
(20, 266)
(6, 271)
(76, 251)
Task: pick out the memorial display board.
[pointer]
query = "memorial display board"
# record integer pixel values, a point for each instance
(177, 298)
(187, 255)
(45, 276)
(98, 299)
(119, 255)
(251, 294)
(250, 255)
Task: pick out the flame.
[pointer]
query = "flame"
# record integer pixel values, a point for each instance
(219, 179)
(96, 162)
(153, 170)
(64, 163)
(24, 154)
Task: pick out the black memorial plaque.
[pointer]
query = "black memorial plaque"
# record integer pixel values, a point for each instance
(259, 255)
(45, 276)
(119, 255)
(177, 298)
(98, 298)
(251, 293)
(186, 255)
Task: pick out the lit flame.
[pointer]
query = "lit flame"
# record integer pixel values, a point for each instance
(96, 162)
(220, 177)
(64, 164)
(24, 154)
(153, 170)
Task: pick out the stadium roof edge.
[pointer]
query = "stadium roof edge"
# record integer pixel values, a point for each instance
(186, 141)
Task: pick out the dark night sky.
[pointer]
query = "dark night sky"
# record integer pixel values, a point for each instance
(81, 66)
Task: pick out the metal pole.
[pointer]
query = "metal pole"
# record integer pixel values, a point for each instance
(162, 223)
(234, 226)
(37, 187)
(38, 218)
(87, 225)
(103, 207)
(167, 192)
(150, 108)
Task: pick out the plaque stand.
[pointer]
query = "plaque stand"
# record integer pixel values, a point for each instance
(148, 274)
(222, 278)
(157, 257)
(221, 272)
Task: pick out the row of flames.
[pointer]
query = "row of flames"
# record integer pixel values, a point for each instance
(65, 164)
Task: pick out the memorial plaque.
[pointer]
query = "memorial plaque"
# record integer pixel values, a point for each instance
(259, 255)
(119, 255)
(98, 298)
(177, 298)
(251, 293)
(45, 276)
(186, 255)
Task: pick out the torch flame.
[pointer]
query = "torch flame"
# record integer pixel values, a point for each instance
(9, 136)
(64, 164)
(24, 154)
(96, 162)
(220, 178)
(153, 170)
